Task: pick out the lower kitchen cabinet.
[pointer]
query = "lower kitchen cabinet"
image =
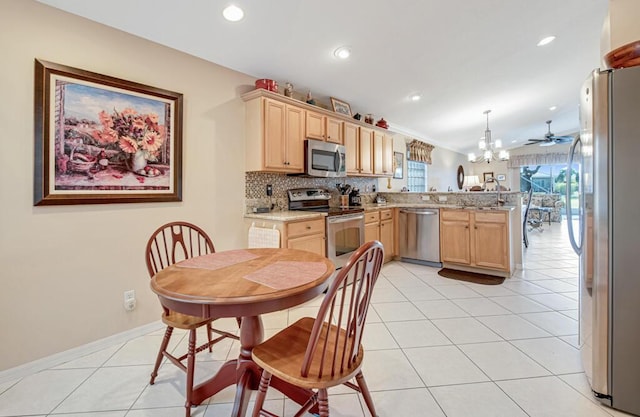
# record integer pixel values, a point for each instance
(306, 235)
(378, 225)
(476, 239)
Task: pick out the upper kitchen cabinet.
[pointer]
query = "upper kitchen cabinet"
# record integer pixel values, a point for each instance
(366, 151)
(382, 154)
(275, 136)
(322, 127)
(277, 126)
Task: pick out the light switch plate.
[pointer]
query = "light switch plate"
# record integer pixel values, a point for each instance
(442, 198)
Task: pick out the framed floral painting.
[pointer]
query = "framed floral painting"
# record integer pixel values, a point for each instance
(100, 139)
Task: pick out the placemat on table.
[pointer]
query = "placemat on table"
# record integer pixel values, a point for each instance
(214, 261)
(287, 274)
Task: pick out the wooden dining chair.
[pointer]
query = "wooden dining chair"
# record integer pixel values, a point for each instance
(171, 243)
(320, 353)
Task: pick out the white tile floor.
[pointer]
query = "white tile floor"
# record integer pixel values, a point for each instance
(434, 347)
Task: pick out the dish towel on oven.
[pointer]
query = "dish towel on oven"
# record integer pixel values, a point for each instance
(262, 237)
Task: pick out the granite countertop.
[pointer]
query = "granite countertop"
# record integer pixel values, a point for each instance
(291, 215)
(285, 215)
(368, 207)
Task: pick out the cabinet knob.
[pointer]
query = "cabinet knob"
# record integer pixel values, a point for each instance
(308, 227)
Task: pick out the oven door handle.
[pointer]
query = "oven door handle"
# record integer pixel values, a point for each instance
(344, 219)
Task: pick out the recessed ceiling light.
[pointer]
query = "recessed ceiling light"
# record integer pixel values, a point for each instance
(552, 108)
(233, 13)
(546, 41)
(415, 97)
(343, 52)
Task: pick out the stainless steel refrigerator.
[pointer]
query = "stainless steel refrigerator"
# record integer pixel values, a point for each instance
(606, 156)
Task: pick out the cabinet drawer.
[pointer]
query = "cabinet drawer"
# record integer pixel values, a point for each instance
(386, 214)
(459, 215)
(306, 228)
(491, 217)
(371, 216)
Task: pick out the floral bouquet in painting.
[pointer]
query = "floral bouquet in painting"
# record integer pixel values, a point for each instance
(137, 135)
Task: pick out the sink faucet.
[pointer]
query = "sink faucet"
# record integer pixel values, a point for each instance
(499, 201)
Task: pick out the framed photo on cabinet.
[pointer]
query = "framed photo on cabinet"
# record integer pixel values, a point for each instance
(341, 107)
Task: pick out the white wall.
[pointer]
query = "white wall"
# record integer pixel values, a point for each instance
(442, 173)
(65, 268)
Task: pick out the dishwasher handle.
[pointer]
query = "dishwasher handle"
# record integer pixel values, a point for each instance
(425, 213)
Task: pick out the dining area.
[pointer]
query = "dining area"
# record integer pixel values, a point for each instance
(197, 285)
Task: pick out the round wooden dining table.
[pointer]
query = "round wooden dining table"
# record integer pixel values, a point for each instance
(243, 283)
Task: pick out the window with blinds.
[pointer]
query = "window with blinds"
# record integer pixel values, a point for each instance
(416, 176)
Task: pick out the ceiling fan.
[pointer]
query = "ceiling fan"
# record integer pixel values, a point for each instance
(550, 139)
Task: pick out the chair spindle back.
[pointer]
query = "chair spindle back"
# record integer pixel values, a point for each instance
(345, 306)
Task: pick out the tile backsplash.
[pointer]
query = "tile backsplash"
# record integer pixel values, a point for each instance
(256, 188)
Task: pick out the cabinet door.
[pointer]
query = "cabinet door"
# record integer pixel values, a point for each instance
(386, 237)
(378, 139)
(295, 139)
(366, 150)
(312, 243)
(334, 130)
(274, 135)
(387, 155)
(455, 242)
(491, 243)
(371, 231)
(352, 144)
(315, 125)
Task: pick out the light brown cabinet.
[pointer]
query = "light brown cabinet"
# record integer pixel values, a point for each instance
(325, 128)
(275, 136)
(306, 235)
(277, 126)
(351, 135)
(382, 154)
(475, 238)
(379, 225)
(371, 226)
(366, 151)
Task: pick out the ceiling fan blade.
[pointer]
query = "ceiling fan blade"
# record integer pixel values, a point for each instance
(537, 140)
(531, 143)
(566, 138)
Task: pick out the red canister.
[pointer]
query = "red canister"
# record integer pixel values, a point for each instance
(269, 85)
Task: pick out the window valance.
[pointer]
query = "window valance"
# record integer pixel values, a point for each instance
(516, 161)
(419, 151)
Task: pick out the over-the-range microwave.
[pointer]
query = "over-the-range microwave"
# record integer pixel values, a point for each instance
(323, 159)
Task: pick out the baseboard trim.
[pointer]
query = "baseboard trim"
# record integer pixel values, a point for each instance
(56, 359)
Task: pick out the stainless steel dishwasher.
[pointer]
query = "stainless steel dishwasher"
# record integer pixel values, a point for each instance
(419, 236)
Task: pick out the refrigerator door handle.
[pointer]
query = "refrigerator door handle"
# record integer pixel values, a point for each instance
(576, 247)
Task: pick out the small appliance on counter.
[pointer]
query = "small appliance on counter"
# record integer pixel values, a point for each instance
(354, 197)
(380, 200)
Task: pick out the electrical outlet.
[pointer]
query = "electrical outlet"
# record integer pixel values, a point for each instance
(130, 300)
(442, 198)
(425, 198)
(269, 190)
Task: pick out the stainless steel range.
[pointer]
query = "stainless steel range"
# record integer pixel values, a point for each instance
(344, 226)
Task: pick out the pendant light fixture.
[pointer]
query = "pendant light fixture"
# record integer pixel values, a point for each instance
(491, 150)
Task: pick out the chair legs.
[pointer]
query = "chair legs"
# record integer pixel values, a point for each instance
(265, 380)
(163, 348)
(191, 360)
(364, 390)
